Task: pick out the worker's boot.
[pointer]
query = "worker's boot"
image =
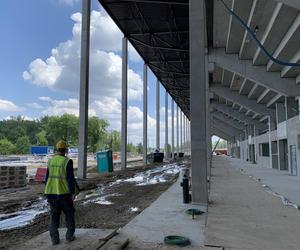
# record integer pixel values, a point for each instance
(71, 238)
(55, 242)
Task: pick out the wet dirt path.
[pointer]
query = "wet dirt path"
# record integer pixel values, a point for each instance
(114, 201)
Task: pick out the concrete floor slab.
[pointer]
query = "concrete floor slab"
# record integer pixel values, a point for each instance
(85, 239)
(280, 182)
(243, 216)
(166, 216)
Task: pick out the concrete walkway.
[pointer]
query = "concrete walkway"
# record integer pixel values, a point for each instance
(243, 216)
(280, 182)
(166, 216)
(85, 239)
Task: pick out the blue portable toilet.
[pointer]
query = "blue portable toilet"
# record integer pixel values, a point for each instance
(104, 161)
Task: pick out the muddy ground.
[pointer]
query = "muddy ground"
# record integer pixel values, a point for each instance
(119, 201)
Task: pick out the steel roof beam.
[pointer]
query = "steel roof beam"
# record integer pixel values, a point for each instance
(150, 2)
(169, 32)
(158, 47)
(169, 61)
(168, 72)
(257, 74)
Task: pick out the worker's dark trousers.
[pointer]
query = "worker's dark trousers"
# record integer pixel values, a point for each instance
(57, 206)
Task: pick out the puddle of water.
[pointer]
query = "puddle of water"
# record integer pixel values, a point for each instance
(23, 217)
(150, 177)
(134, 209)
(101, 200)
(26, 216)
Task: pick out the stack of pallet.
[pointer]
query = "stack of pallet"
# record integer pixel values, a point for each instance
(12, 176)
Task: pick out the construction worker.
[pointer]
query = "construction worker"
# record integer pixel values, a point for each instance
(60, 192)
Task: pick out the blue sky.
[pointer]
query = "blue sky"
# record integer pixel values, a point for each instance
(40, 65)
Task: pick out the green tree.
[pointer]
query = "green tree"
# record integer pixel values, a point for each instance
(222, 144)
(131, 148)
(41, 138)
(114, 141)
(139, 148)
(6, 147)
(97, 133)
(62, 127)
(22, 145)
(168, 149)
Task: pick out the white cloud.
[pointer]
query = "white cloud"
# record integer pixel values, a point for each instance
(6, 105)
(107, 108)
(34, 105)
(60, 107)
(133, 55)
(69, 2)
(24, 117)
(60, 71)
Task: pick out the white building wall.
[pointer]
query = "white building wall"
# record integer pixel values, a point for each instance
(293, 130)
(289, 130)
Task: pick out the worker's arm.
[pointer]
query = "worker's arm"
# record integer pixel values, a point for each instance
(70, 177)
(47, 173)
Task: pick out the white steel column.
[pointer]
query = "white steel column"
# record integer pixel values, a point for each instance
(166, 126)
(185, 137)
(254, 141)
(84, 88)
(189, 137)
(145, 114)
(270, 143)
(198, 102)
(173, 151)
(124, 103)
(157, 115)
(181, 131)
(177, 129)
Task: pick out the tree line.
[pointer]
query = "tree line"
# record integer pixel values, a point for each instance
(18, 134)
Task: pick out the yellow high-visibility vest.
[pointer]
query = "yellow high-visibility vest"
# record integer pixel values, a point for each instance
(57, 178)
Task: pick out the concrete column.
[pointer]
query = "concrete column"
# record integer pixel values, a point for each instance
(292, 108)
(124, 103)
(177, 129)
(280, 112)
(198, 105)
(157, 115)
(166, 126)
(173, 149)
(145, 114)
(84, 89)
